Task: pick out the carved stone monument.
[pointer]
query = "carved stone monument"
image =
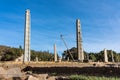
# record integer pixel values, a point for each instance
(79, 41)
(55, 53)
(27, 37)
(105, 55)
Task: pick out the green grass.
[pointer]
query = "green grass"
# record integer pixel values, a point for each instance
(83, 77)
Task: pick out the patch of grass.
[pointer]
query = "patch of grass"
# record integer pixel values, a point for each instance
(53, 74)
(83, 77)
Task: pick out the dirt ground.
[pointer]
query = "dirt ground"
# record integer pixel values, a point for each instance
(54, 70)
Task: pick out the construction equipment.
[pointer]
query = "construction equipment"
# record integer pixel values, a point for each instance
(67, 47)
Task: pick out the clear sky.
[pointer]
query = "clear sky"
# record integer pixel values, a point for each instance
(100, 22)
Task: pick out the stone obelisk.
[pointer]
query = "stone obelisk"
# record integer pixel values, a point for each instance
(27, 37)
(55, 53)
(79, 41)
(112, 56)
(105, 55)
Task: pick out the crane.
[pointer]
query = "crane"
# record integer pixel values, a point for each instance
(67, 47)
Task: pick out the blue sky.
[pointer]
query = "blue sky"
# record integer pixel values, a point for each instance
(100, 22)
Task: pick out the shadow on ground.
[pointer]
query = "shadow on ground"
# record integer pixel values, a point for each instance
(91, 71)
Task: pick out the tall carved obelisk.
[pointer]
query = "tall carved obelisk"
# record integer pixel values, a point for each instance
(79, 41)
(27, 37)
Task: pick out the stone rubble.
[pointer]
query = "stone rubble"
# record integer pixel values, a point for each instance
(10, 73)
(30, 77)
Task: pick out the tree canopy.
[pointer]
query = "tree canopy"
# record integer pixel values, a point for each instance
(94, 56)
(10, 54)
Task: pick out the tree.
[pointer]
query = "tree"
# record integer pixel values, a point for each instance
(92, 56)
(42, 55)
(11, 54)
(73, 52)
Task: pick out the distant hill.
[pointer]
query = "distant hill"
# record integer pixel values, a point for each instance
(3, 49)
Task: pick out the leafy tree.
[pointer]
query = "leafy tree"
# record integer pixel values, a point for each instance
(99, 56)
(92, 56)
(73, 52)
(42, 56)
(10, 54)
